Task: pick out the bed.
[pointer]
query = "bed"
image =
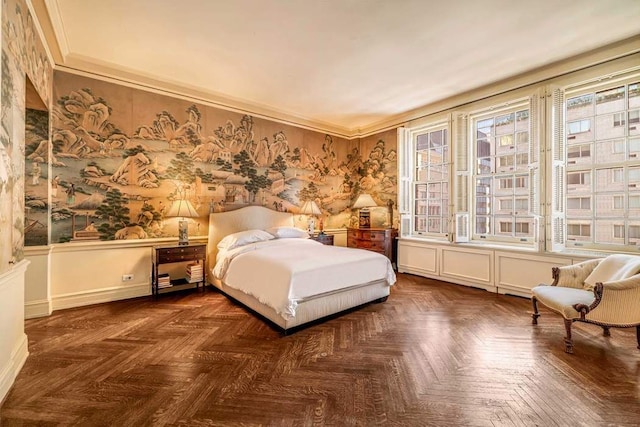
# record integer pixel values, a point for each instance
(314, 299)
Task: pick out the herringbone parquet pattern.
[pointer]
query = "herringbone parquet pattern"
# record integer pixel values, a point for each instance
(433, 354)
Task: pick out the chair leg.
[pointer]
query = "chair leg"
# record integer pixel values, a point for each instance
(638, 335)
(535, 314)
(605, 331)
(568, 342)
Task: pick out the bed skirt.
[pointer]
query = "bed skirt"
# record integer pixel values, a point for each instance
(315, 307)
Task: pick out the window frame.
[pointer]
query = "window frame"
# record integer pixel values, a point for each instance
(614, 170)
(445, 215)
(500, 175)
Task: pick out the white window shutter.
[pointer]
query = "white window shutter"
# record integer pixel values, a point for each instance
(405, 172)
(536, 116)
(462, 221)
(558, 147)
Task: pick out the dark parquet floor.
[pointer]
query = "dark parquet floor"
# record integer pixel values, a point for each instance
(434, 354)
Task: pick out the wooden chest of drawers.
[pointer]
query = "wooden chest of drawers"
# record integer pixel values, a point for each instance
(380, 240)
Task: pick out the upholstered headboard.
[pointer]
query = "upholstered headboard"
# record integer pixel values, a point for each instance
(247, 218)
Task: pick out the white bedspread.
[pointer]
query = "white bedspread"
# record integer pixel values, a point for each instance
(282, 272)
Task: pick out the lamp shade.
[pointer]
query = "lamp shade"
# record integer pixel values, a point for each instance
(182, 208)
(364, 201)
(310, 208)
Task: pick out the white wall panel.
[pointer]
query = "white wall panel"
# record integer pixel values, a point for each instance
(496, 270)
(37, 290)
(470, 266)
(417, 259)
(517, 273)
(91, 273)
(13, 341)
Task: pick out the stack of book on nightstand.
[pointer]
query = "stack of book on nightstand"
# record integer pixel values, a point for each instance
(164, 281)
(194, 273)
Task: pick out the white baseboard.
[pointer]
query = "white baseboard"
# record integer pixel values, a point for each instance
(11, 370)
(39, 308)
(98, 296)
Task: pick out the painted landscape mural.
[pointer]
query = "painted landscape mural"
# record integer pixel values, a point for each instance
(121, 156)
(35, 188)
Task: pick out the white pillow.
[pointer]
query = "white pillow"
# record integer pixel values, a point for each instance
(288, 232)
(613, 268)
(242, 238)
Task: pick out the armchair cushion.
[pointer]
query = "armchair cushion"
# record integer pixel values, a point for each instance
(561, 300)
(613, 268)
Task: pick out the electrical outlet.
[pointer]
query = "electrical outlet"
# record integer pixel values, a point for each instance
(127, 277)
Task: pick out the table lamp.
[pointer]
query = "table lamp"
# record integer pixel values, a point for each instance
(364, 202)
(183, 209)
(310, 208)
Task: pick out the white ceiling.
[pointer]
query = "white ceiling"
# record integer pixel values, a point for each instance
(340, 64)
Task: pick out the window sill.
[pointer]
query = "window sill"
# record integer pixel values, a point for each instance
(476, 245)
(570, 253)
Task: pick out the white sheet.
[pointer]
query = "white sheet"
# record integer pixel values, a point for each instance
(282, 272)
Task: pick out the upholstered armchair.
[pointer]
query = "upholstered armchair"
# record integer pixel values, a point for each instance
(605, 292)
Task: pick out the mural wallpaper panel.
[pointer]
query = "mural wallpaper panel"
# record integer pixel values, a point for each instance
(377, 174)
(25, 46)
(22, 54)
(121, 156)
(36, 230)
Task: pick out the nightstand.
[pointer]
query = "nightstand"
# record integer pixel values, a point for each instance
(194, 271)
(325, 239)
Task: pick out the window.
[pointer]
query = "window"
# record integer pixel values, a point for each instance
(618, 202)
(579, 126)
(521, 204)
(618, 147)
(485, 161)
(579, 178)
(579, 203)
(617, 175)
(618, 231)
(521, 181)
(505, 183)
(579, 230)
(595, 191)
(579, 151)
(522, 228)
(502, 192)
(506, 140)
(618, 119)
(431, 181)
(506, 205)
